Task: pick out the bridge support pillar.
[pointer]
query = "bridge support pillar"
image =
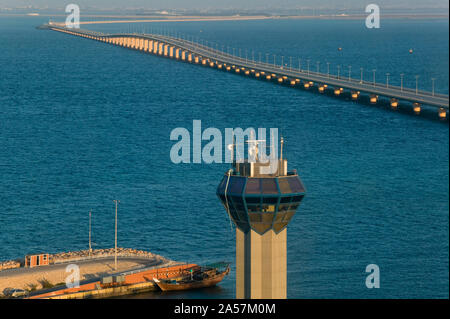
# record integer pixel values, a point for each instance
(442, 113)
(177, 53)
(416, 108)
(171, 51)
(394, 103)
(150, 46)
(373, 99)
(160, 49)
(166, 50)
(155, 47)
(355, 95)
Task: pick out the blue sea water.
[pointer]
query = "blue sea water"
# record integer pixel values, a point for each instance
(83, 123)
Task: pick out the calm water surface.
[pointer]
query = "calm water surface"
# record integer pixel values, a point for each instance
(83, 123)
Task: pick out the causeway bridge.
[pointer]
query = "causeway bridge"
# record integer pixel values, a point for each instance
(192, 52)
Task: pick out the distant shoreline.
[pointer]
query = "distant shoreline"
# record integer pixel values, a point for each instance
(199, 18)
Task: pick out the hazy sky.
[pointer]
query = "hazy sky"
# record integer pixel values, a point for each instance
(245, 4)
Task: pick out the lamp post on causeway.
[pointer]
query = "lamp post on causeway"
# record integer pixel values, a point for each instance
(401, 81)
(362, 70)
(328, 69)
(349, 72)
(115, 238)
(338, 71)
(417, 84)
(307, 61)
(90, 249)
(387, 79)
(432, 85)
(318, 66)
(374, 70)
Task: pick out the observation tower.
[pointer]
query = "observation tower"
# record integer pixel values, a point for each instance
(261, 202)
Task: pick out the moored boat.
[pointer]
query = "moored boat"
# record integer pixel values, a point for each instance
(200, 277)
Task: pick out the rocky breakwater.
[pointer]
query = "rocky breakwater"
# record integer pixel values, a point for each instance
(9, 264)
(109, 252)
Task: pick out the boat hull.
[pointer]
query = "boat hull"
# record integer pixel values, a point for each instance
(209, 282)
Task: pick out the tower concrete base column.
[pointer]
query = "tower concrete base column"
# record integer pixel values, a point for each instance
(261, 265)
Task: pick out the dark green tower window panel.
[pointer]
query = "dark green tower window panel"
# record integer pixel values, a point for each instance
(267, 218)
(238, 203)
(261, 228)
(254, 208)
(237, 200)
(284, 185)
(253, 200)
(270, 200)
(236, 185)
(255, 217)
(234, 215)
(297, 198)
(268, 208)
(233, 211)
(277, 227)
(253, 186)
(243, 226)
(223, 183)
(296, 185)
(242, 215)
(269, 186)
(285, 199)
(279, 217)
(288, 216)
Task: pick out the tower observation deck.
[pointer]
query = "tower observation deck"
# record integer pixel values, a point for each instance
(261, 206)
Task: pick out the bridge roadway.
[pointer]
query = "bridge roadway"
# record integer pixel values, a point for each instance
(219, 57)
